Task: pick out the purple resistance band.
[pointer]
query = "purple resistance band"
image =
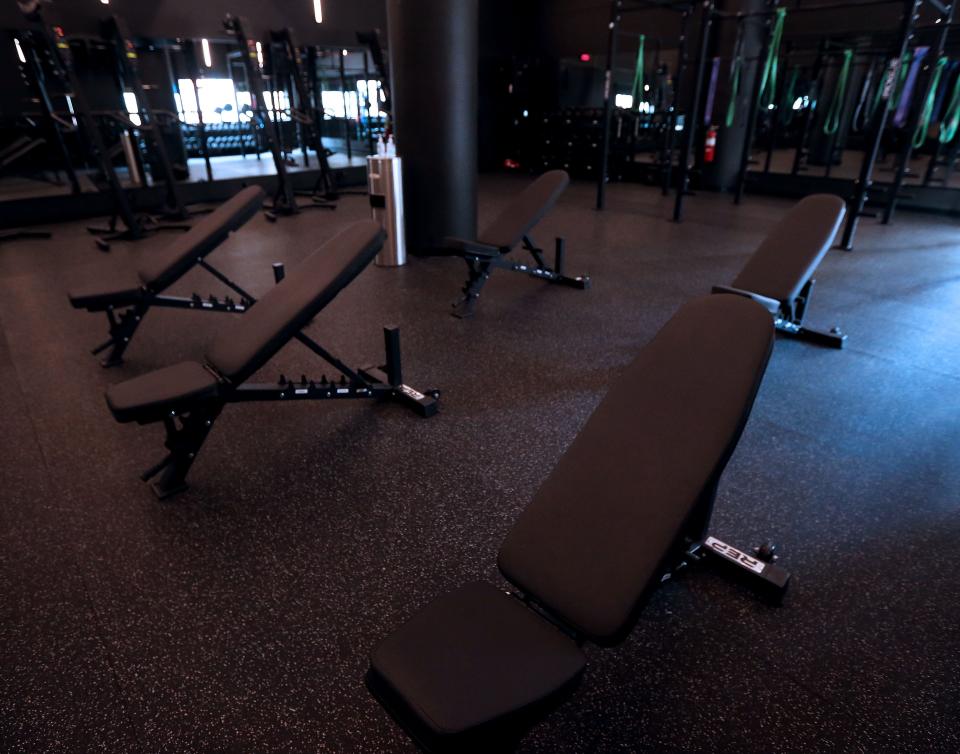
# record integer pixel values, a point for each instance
(711, 93)
(903, 107)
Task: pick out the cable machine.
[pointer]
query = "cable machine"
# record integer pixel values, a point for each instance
(43, 40)
(128, 63)
(305, 112)
(285, 198)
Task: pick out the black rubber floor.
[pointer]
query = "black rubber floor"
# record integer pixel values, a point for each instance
(238, 617)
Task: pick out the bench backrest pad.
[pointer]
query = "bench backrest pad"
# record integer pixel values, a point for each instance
(162, 268)
(524, 211)
(290, 305)
(592, 543)
(792, 251)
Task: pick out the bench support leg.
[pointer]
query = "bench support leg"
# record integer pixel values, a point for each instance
(390, 375)
(183, 442)
(121, 333)
(544, 272)
(477, 277)
(790, 322)
(480, 273)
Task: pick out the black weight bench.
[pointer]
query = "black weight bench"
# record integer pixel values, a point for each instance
(126, 305)
(629, 503)
(188, 397)
(512, 228)
(779, 275)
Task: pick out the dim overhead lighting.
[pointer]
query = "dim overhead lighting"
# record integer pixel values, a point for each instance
(104, 2)
(205, 46)
(317, 12)
(259, 54)
(20, 55)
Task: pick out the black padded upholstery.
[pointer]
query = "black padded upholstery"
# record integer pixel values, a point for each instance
(154, 395)
(288, 307)
(593, 540)
(159, 270)
(95, 298)
(524, 211)
(473, 656)
(791, 252)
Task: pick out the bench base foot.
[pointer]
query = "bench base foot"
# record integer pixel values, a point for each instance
(832, 339)
(758, 571)
(163, 491)
(424, 404)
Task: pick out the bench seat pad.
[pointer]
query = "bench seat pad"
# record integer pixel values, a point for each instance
(95, 298)
(472, 657)
(593, 542)
(793, 250)
(154, 395)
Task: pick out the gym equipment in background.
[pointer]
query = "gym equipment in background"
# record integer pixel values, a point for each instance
(126, 306)
(628, 504)
(510, 228)
(194, 393)
(779, 274)
(285, 198)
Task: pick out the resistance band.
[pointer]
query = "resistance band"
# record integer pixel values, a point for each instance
(942, 94)
(768, 80)
(786, 110)
(920, 133)
(736, 65)
(832, 122)
(951, 118)
(711, 92)
(906, 94)
(638, 75)
(863, 113)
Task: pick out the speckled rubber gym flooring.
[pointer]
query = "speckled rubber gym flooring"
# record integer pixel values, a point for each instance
(238, 617)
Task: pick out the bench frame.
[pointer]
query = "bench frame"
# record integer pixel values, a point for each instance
(481, 259)
(370, 383)
(692, 549)
(124, 320)
(788, 316)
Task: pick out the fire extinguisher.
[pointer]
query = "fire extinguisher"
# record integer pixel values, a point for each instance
(710, 145)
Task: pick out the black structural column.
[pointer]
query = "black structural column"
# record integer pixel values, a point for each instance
(433, 70)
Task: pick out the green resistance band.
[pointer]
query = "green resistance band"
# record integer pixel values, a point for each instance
(768, 81)
(786, 109)
(637, 91)
(951, 119)
(736, 66)
(923, 125)
(832, 122)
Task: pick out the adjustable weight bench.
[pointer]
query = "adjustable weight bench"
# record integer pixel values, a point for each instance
(126, 306)
(779, 275)
(188, 397)
(511, 228)
(628, 503)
